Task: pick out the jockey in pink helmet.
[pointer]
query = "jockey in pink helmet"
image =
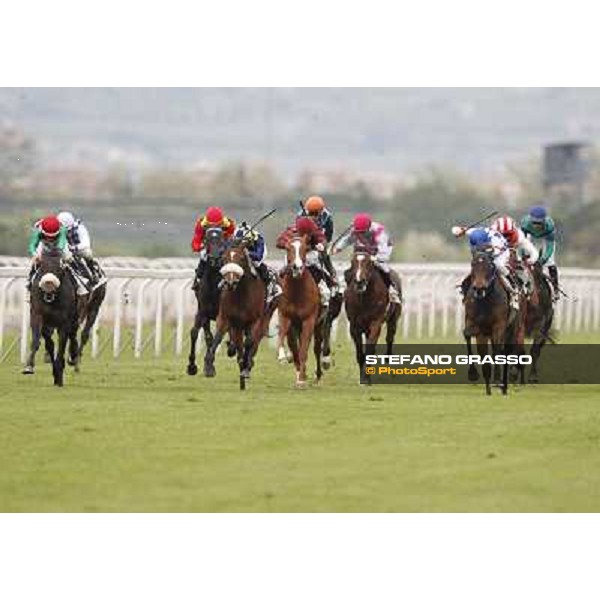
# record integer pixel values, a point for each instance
(371, 236)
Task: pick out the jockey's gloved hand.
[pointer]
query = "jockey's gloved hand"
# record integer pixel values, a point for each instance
(320, 247)
(458, 231)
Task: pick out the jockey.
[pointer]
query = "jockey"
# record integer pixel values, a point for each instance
(214, 217)
(80, 244)
(517, 240)
(372, 236)
(539, 226)
(485, 238)
(257, 251)
(316, 241)
(49, 230)
(314, 208)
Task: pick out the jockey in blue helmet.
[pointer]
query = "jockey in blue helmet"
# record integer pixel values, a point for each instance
(257, 252)
(484, 238)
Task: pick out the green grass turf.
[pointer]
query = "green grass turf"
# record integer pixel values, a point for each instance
(143, 436)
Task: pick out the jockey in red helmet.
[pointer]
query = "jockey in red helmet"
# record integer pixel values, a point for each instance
(49, 230)
(371, 236)
(214, 218)
(316, 241)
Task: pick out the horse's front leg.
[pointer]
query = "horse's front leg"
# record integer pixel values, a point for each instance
(58, 365)
(209, 359)
(36, 333)
(392, 326)
(245, 363)
(318, 348)
(284, 326)
(482, 349)
(308, 327)
(192, 368)
(473, 373)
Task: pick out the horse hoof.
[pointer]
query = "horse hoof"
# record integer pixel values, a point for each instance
(533, 379)
(209, 371)
(473, 376)
(301, 385)
(242, 383)
(28, 371)
(58, 383)
(72, 362)
(192, 369)
(231, 350)
(326, 362)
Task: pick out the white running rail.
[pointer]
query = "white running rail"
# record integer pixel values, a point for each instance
(150, 305)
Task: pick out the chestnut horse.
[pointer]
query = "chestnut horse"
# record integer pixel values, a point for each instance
(367, 304)
(300, 314)
(241, 311)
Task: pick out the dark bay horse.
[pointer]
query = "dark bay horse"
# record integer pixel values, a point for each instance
(488, 316)
(333, 312)
(207, 295)
(300, 312)
(53, 307)
(241, 311)
(367, 304)
(538, 318)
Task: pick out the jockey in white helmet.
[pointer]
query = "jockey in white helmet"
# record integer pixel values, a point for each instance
(80, 244)
(525, 252)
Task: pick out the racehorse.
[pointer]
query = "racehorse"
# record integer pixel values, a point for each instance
(538, 318)
(53, 307)
(88, 309)
(300, 313)
(488, 316)
(367, 304)
(333, 312)
(207, 295)
(241, 311)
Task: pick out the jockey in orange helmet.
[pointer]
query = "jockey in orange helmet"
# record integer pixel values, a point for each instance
(314, 208)
(214, 218)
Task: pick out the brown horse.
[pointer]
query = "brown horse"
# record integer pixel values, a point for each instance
(241, 311)
(538, 318)
(488, 316)
(367, 304)
(300, 314)
(53, 308)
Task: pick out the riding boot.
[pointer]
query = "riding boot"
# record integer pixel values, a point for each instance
(329, 269)
(513, 293)
(269, 278)
(393, 291)
(553, 273)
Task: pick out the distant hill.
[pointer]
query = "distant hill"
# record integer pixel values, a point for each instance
(381, 129)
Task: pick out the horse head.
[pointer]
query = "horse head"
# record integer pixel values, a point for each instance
(361, 269)
(483, 273)
(236, 264)
(214, 244)
(50, 271)
(297, 250)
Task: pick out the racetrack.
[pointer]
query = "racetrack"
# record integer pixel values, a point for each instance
(143, 436)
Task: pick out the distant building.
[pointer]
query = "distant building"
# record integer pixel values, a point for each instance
(565, 172)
